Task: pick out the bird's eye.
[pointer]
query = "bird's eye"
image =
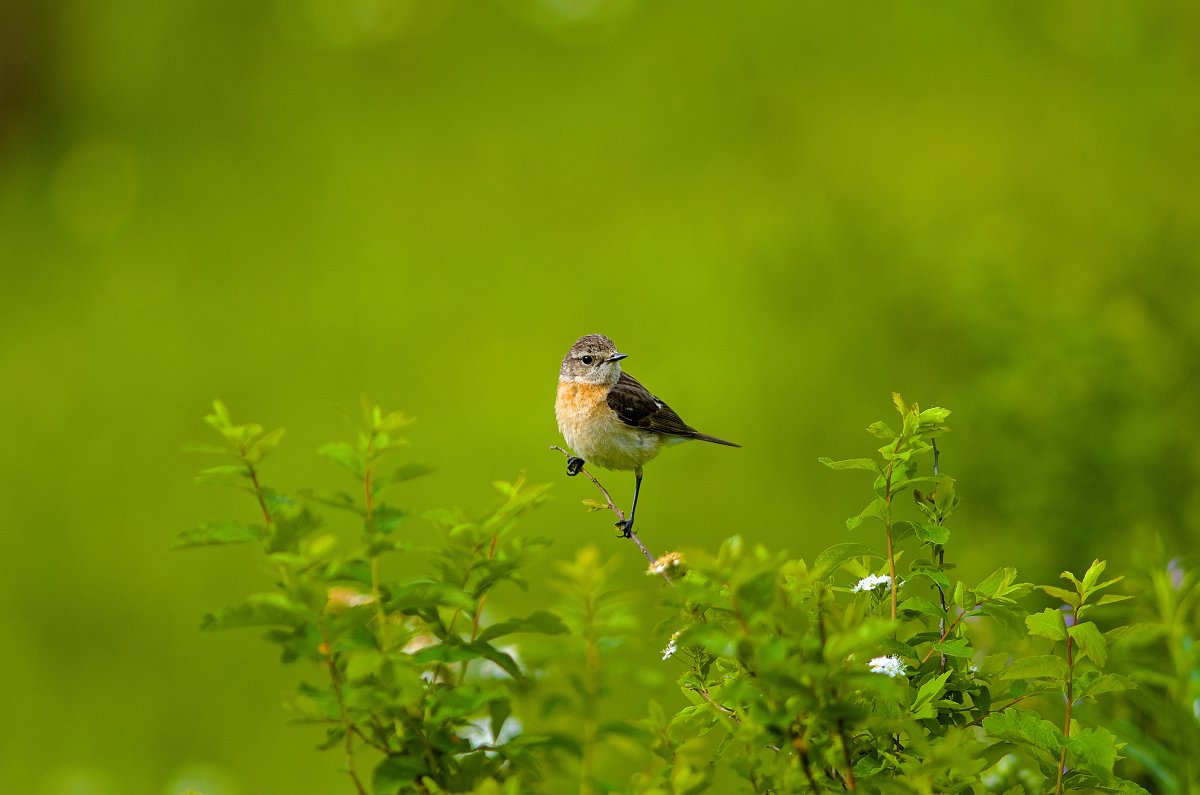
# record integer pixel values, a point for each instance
(586, 359)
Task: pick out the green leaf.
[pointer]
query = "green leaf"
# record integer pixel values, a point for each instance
(922, 706)
(931, 533)
(221, 473)
(264, 445)
(829, 561)
(866, 635)
(1009, 618)
(958, 647)
(1093, 751)
(945, 495)
(1047, 624)
(400, 474)
(1070, 597)
(1046, 666)
(426, 594)
(385, 518)
(345, 456)
(460, 652)
(459, 702)
(540, 622)
(1134, 634)
(334, 499)
(362, 663)
(1093, 574)
(289, 525)
(397, 771)
(219, 419)
(219, 532)
(694, 721)
(1094, 683)
(1027, 729)
(997, 582)
(919, 604)
(881, 430)
(757, 593)
(936, 576)
(868, 464)
(902, 530)
(202, 447)
(1091, 642)
(935, 416)
(260, 610)
(878, 508)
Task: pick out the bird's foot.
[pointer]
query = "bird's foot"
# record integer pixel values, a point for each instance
(626, 527)
(574, 464)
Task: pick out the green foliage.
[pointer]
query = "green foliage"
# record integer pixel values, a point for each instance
(413, 677)
(840, 675)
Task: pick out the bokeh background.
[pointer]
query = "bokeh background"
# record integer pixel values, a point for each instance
(782, 213)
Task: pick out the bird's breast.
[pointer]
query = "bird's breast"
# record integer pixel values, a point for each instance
(595, 433)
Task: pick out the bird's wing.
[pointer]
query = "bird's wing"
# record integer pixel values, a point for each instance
(635, 406)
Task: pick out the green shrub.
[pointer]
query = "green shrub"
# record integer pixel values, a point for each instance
(870, 669)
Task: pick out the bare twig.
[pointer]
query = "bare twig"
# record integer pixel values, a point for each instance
(612, 506)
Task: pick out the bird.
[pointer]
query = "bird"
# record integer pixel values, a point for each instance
(608, 417)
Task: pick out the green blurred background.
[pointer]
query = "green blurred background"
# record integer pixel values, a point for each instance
(781, 213)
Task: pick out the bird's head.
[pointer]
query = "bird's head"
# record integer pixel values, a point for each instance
(592, 360)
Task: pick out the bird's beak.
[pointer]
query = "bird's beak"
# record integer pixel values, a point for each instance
(616, 357)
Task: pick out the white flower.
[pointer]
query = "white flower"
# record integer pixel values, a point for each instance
(671, 648)
(891, 666)
(871, 582)
(671, 560)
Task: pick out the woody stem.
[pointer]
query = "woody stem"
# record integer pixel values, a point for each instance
(612, 506)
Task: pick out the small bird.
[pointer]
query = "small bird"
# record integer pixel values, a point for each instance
(610, 419)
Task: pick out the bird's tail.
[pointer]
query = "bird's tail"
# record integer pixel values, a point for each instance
(704, 437)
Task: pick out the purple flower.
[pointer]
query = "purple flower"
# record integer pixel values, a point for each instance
(1068, 615)
(1175, 569)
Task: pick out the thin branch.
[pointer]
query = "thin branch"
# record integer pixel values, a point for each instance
(257, 487)
(851, 784)
(612, 506)
(1062, 757)
(1012, 703)
(949, 629)
(887, 522)
(726, 711)
(347, 725)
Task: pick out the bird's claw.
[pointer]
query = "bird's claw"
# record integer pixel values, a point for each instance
(626, 528)
(574, 464)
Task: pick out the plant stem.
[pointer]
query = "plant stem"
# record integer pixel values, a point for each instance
(369, 528)
(612, 506)
(849, 777)
(806, 766)
(258, 490)
(946, 632)
(462, 672)
(887, 522)
(1062, 757)
(347, 727)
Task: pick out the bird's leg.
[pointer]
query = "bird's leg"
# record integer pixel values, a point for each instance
(626, 525)
(574, 464)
